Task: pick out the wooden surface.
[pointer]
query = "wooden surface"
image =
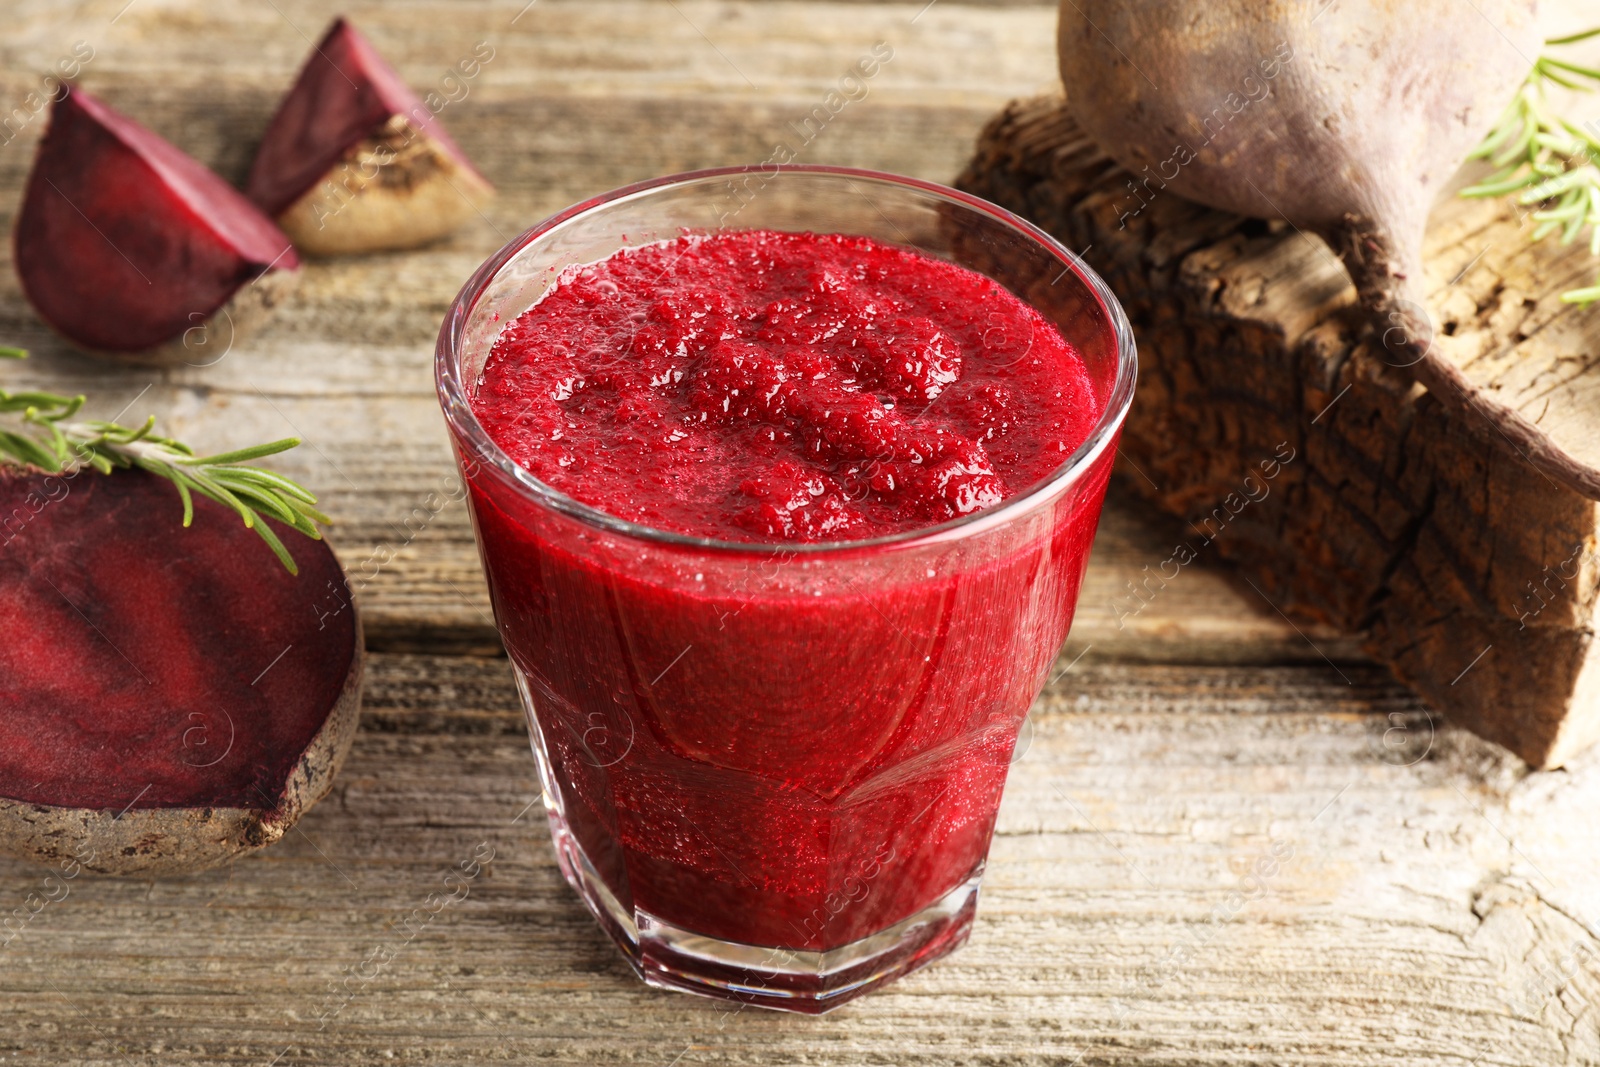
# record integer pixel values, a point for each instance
(1433, 902)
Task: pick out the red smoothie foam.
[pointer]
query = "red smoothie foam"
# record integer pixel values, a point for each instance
(756, 747)
(761, 386)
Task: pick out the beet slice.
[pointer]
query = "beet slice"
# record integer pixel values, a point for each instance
(353, 161)
(125, 245)
(169, 697)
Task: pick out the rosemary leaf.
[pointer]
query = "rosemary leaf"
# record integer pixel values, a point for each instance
(45, 437)
(1587, 72)
(248, 494)
(284, 485)
(188, 502)
(209, 487)
(1546, 160)
(28, 451)
(242, 454)
(1575, 37)
(277, 547)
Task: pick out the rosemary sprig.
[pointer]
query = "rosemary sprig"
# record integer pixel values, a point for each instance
(1547, 160)
(49, 438)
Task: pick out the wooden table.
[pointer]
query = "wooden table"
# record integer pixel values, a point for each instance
(1432, 902)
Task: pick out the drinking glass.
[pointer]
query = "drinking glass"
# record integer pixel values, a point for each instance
(772, 770)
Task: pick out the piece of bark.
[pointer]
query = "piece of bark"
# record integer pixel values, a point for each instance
(1267, 417)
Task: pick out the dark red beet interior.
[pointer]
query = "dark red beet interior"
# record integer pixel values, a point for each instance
(131, 649)
(123, 242)
(344, 91)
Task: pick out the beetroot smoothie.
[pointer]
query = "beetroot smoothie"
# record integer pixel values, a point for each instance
(749, 745)
(759, 386)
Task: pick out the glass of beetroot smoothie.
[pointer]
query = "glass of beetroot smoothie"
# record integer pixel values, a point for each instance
(784, 482)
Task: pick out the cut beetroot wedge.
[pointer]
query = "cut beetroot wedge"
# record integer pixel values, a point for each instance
(126, 246)
(169, 698)
(353, 161)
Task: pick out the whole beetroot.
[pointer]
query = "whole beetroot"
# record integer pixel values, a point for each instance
(1343, 117)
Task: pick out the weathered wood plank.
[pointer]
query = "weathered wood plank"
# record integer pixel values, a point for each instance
(1429, 904)
(579, 96)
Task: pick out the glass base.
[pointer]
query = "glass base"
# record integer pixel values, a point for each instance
(810, 983)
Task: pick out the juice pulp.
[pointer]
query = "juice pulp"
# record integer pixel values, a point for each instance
(766, 745)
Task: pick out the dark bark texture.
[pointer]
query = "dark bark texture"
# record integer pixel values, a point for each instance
(1470, 573)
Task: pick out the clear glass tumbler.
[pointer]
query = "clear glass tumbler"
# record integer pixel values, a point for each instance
(772, 771)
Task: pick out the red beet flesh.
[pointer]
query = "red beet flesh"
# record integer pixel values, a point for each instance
(345, 91)
(123, 242)
(144, 665)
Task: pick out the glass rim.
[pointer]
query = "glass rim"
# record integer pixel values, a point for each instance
(464, 422)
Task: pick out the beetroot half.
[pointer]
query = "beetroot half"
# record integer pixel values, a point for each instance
(126, 246)
(353, 161)
(169, 697)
